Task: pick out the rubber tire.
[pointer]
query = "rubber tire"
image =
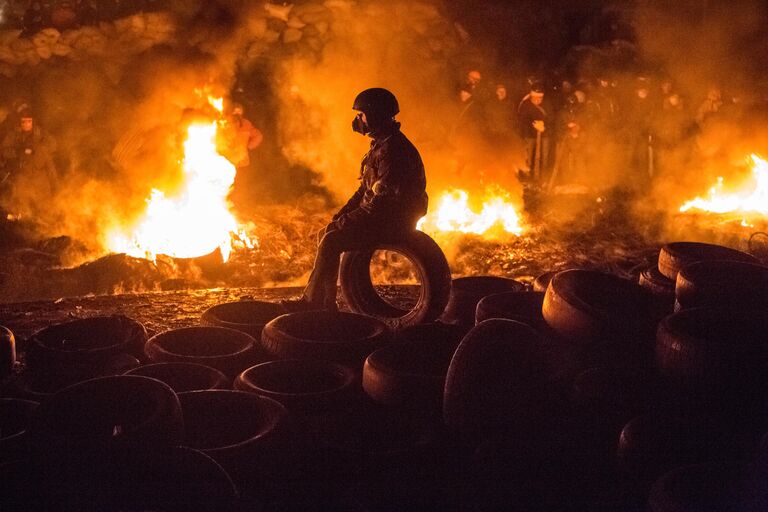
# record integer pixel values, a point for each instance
(7, 352)
(676, 255)
(302, 385)
(228, 350)
(15, 418)
(182, 377)
(409, 376)
(499, 379)
(96, 340)
(524, 307)
(710, 487)
(728, 284)
(657, 283)
(431, 266)
(243, 432)
(433, 331)
(80, 419)
(340, 337)
(466, 292)
(586, 306)
(711, 351)
(248, 316)
(541, 283)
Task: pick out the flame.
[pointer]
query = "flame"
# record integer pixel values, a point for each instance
(453, 213)
(196, 220)
(752, 199)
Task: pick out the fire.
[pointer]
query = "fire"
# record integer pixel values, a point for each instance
(752, 199)
(453, 213)
(196, 220)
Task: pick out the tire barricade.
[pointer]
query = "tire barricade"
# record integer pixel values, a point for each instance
(466, 292)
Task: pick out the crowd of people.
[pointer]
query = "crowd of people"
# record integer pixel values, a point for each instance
(571, 129)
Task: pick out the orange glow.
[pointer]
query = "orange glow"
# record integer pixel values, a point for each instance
(196, 220)
(454, 214)
(751, 199)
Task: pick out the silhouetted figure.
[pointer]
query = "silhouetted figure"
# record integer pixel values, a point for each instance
(389, 202)
(534, 120)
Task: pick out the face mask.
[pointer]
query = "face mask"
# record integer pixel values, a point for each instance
(359, 126)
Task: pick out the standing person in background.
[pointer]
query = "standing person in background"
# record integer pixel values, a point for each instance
(533, 121)
(242, 137)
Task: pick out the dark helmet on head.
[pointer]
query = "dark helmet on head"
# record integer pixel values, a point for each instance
(376, 102)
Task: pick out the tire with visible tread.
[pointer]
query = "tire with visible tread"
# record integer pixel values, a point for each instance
(586, 306)
(120, 415)
(248, 316)
(676, 255)
(302, 385)
(85, 342)
(409, 375)
(433, 273)
(729, 284)
(183, 377)
(500, 377)
(657, 283)
(228, 350)
(340, 337)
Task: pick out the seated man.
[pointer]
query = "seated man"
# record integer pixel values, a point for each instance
(390, 200)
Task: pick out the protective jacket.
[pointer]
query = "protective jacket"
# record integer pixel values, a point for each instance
(392, 192)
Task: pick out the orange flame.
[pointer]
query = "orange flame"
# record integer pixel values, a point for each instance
(752, 199)
(195, 221)
(453, 213)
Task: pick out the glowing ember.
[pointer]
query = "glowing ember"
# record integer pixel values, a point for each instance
(752, 199)
(453, 213)
(195, 221)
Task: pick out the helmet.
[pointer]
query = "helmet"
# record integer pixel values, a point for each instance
(376, 102)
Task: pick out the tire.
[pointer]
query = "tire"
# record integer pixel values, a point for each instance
(324, 335)
(227, 350)
(15, 419)
(409, 376)
(714, 352)
(728, 284)
(433, 273)
(541, 283)
(657, 283)
(433, 331)
(119, 416)
(243, 432)
(499, 379)
(85, 342)
(524, 307)
(302, 386)
(676, 255)
(711, 487)
(466, 292)
(248, 316)
(7, 352)
(182, 377)
(585, 307)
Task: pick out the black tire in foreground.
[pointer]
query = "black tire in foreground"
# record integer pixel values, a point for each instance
(500, 379)
(15, 419)
(324, 335)
(523, 307)
(246, 433)
(432, 271)
(87, 342)
(183, 377)
(228, 350)
(302, 386)
(711, 487)
(586, 306)
(674, 256)
(248, 316)
(120, 416)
